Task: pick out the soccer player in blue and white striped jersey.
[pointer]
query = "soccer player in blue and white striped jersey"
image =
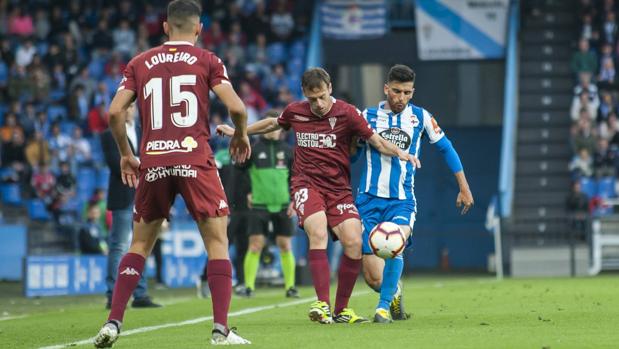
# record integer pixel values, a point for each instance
(386, 187)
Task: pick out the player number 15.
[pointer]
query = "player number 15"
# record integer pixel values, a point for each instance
(154, 87)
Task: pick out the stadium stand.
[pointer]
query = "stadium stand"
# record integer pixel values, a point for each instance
(60, 64)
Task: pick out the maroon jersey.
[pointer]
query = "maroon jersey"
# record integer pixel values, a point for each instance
(321, 158)
(172, 84)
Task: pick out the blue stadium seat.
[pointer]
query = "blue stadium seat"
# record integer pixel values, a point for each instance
(42, 47)
(295, 67)
(86, 182)
(67, 127)
(74, 204)
(96, 68)
(55, 112)
(11, 194)
(606, 187)
(589, 186)
(57, 95)
(297, 49)
(103, 176)
(276, 53)
(37, 211)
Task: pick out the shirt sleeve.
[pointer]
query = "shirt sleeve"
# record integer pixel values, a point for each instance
(128, 80)
(359, 125)
(284, 119)
(432, 128)
(217, 73)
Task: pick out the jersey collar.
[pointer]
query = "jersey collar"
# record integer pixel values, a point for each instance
(178, 43)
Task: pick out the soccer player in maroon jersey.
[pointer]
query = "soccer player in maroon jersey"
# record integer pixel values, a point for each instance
(170, 85)
(320, 185)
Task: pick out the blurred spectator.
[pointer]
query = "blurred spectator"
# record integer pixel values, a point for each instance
(585, 84)
(152, 19)
(25, 52)
(582, 136)
(91, 238)
(43, 183)
(258, 22)
(581, 102)
(102, 95)
(97, 118)
(607, 106)
(41, 85)
(124, 39)
(214, 36)
(28, 119)
(587, 26)
(610, 27)
(582, 164)
(78, 105)
(83, 153)
(254, 102)
(20, 23)
(11, 126)
(98, 198)
(584, 60)
(88, 84)
(65, 184)
(20, 84)
(282, 22)
(603, 159)
(42, 26)
(102, 39)
(41, 124)
(38, 151)
(606, 78)
(577, 206)
(14, 157)
(59, 143)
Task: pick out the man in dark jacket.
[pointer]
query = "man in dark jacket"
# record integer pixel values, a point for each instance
(120, 202)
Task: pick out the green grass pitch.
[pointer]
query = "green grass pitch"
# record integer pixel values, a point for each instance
(448, 312)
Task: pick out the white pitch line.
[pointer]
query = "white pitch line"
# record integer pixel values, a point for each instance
(13, 317)
(244, 312)
(196, 320)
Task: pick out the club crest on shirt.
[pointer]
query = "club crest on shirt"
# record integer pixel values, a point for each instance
(414, 120)
(332, 121)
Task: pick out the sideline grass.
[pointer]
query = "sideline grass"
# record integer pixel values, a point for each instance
(448, 313)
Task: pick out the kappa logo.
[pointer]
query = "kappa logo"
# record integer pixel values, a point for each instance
(300, 117)
(222, 204)
(129, 271)
(332, 121)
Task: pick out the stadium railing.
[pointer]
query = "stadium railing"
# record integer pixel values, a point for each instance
(510, 116)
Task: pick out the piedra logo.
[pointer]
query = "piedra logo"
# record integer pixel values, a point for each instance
(161, 147)
(398, 137)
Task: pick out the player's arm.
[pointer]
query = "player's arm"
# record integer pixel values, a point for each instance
(387, 148)
(239, 144)
(451, 157)
(263, 126)
(118, 115)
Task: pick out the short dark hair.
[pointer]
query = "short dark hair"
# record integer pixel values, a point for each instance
(401, 73)
(179, 11)
(314, 78)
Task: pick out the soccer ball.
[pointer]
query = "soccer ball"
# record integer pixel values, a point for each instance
(387, 240)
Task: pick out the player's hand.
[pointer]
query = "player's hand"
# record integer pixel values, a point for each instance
(409, 157)
(225, 130)
(290, 211)
(250, 201)
(129, 170)
(465, 200)
(240, 150)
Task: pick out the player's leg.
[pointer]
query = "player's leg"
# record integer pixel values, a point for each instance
(130, 269)
(349, 234)
(316, 228)
(310, 207)
(206, 202)
(392, 273)
(373, 271)
(152, 206)
(252, 262)
(282, 225)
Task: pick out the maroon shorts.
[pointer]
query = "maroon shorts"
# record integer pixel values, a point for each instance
(338, 206)
(200, 187)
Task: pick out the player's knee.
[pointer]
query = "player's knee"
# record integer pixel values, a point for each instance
(352, 243)
(256, 245)
(283, 244)
(318, 236)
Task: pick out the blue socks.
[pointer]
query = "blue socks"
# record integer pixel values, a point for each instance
(391, 276)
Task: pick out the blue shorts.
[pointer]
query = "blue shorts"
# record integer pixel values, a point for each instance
(374, 210)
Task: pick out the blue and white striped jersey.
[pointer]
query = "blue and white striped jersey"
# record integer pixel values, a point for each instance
(386, 176)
